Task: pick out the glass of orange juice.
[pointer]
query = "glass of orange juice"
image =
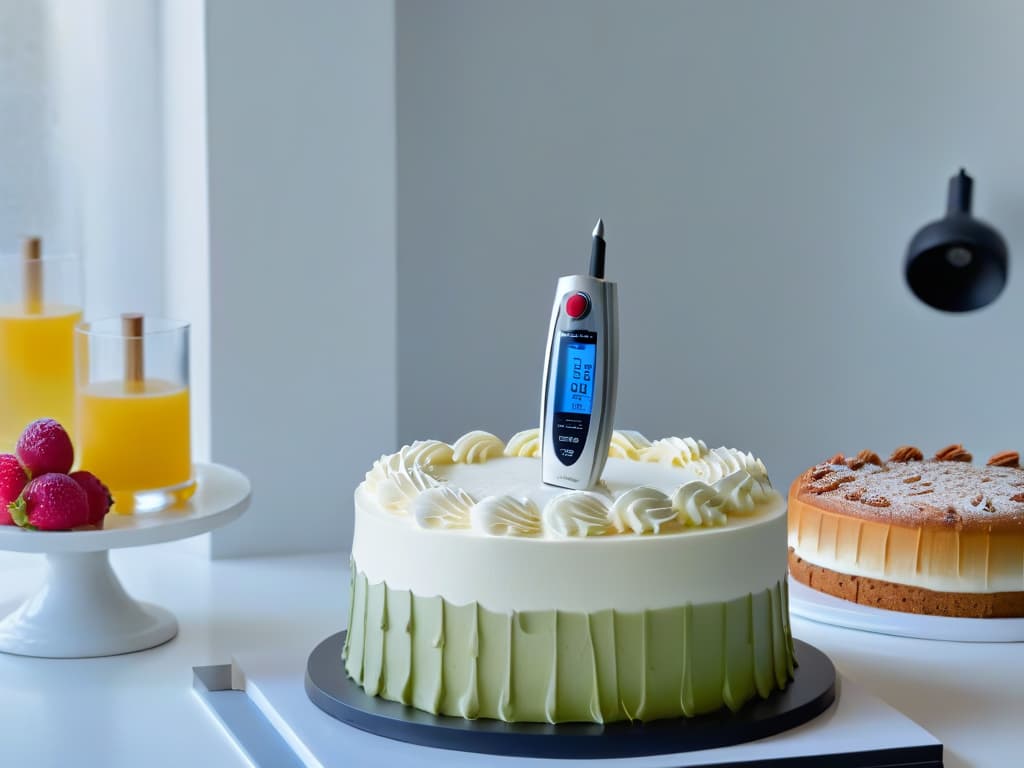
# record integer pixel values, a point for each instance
(40, 304)
(133, 410)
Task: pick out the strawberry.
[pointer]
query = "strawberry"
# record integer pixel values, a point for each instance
(52, 502)
(12, 481)
(98, 495)
(45, 447)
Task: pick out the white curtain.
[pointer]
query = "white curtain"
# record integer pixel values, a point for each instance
(81, 158)
(38, 189)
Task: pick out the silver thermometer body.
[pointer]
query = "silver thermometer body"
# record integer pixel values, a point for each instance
(580, 382)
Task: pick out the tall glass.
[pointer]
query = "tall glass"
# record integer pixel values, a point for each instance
(133, 410)
(40, 304)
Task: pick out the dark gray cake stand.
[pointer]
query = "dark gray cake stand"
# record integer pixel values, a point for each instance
(811, 692)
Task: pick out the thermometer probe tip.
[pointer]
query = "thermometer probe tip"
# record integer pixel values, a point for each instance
(597, 251)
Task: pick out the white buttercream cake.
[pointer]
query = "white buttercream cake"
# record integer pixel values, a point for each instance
(478, 591)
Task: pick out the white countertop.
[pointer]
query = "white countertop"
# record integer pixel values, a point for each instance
(140, 709)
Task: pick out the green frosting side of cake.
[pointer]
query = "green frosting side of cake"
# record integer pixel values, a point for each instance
(560, 666)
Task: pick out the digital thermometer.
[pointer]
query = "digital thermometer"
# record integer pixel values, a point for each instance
(580, 376)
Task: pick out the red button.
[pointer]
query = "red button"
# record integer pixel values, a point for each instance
(577, 305)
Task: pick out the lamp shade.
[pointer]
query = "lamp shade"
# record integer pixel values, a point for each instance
(958, 263)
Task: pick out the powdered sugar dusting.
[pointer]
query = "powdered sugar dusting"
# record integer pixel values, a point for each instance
(948, 493)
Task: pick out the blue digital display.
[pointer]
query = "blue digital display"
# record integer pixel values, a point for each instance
(576, 378)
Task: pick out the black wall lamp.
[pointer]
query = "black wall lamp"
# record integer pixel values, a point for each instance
(958, 263)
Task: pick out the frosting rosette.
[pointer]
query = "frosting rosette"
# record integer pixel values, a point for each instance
(642, 510)
(742, 492)
(505, 516)
(676, 451)
(723, 462)
(577, 513)
(697, 503)
(403, 468)
(627, 444)
(525, 444)
(428, 453)
(442, 507)
(402, 484)
(476, 447)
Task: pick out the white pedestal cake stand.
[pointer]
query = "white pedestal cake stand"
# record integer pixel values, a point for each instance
(82, 610)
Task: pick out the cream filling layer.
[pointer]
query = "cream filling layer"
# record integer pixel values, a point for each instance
(942, 560)
(506, 573)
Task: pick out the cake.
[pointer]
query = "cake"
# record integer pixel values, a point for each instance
(935, 536)
(477, 591)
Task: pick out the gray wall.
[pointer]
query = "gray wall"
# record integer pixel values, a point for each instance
(760, 167)
(302, 260)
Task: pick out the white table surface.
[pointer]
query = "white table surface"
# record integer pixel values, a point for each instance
(139, 709)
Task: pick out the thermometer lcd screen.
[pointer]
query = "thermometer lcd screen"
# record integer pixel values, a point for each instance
(576, 377)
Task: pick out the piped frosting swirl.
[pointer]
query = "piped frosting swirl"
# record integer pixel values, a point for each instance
(477, 447)
(642, 510)
(697, 504)
(627, 444)
(506, 516)
(577, 513)
(677, 451)
(400, 476)
(443, 507)
(402, 486)
(525, 444)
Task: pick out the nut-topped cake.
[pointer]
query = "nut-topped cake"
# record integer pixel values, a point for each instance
(936, 536)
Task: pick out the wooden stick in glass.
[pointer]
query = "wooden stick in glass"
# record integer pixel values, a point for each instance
(33, 283)
(134, 362)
